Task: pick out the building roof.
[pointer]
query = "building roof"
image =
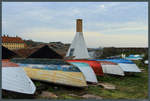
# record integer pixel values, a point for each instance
(24, 52)
(38, 52)
(45, 52)
(61, 50)
(7, 39)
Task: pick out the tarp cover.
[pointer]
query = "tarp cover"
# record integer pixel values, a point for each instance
(67, 68)
(46, 64)
(39, 61)
(115, 60)
(134, 57)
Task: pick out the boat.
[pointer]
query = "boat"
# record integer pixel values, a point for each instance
(53, 71)
(126, 65)
(119, 60)
(96, 66)
(15, 79)
(129, 67)
(134, 57)
(111, 68)
(146, 62)
(87, 71)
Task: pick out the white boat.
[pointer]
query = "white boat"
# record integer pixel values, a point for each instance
(15, 79)
(87, 71)
(128, 67)
(111, 68)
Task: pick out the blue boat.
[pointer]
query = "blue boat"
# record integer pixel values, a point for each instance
(134, 57)
(116, 60)
(126, 65)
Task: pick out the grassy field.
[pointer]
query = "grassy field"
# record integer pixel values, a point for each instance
(131, 86)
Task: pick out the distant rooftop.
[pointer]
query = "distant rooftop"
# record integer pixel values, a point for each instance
(8, 39)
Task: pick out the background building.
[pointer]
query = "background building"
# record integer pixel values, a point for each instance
(13, 42)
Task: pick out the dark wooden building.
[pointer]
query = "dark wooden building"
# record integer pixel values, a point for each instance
(41, 51)
(7, 54)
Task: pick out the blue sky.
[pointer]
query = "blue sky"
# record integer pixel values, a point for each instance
(119, 24)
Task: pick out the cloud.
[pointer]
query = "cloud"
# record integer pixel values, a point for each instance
(117, 40)
(92, 39)
(102, 6)
(128, 27)
(102, 21)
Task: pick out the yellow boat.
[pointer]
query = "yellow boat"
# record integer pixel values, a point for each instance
(54, 71)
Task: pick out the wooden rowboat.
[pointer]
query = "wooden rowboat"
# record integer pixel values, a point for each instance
(53, 71)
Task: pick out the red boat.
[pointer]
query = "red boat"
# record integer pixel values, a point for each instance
(96, 66)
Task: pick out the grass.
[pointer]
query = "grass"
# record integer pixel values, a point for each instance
(133, 86)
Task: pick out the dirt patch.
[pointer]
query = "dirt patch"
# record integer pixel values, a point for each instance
(90, 96)
(46, 94)
(107, 86)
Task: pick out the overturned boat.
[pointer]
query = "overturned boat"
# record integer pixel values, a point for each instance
(129, 67)
(134, 57)
(53, 71)
(87, 71)
(96, 66)
(15, 79)
(126, 65)
(111, 68)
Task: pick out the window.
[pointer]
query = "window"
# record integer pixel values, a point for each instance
(71, 52)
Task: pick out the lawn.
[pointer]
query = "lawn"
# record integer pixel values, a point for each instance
(131, 86)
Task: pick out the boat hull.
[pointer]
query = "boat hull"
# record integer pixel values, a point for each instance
(126, 65)
(95, 65)
(15, 79)
(87, 71)
(129, 67)
(54, 76)
(112, 69)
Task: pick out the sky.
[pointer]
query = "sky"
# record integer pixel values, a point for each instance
(105, 24)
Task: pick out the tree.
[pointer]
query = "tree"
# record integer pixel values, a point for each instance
(107, 52)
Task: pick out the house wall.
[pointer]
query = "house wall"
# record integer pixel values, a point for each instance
(12, 46)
